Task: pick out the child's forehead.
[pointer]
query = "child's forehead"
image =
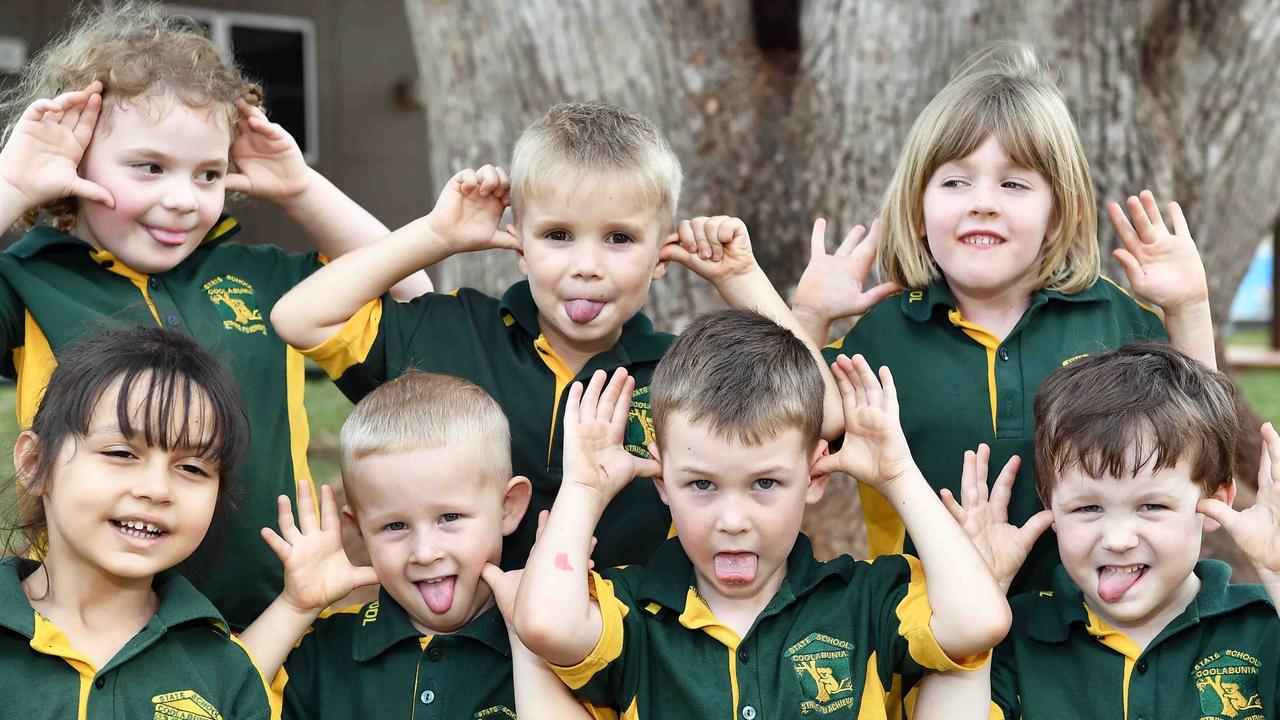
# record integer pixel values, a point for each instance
(151, 108)
(577, 191)
(443, 476)
(1175, 480)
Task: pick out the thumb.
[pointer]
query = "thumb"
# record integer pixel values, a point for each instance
(505, 240)
(675, 252)
(949, 502)
(1129, 262)
(491, 575)
(882, 291)
(648, 467)
(237, 182)
(363, 575)
(1218, 511)
(826, 465)
(82, 188)
(1035, 527)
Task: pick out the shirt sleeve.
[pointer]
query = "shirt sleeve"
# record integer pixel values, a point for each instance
(256, 699)
(608, 675)
(12, 317)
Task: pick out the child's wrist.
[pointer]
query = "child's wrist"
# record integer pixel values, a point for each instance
(1192, 308)
(13, 201)
(301, 199)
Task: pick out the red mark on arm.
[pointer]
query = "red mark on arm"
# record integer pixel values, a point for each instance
(562, 562)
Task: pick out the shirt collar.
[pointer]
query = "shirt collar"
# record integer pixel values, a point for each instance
(639, 342)
(180, 602)
(919, 305)
(1051, 620)
(669, 576)
(392, 626)
(41, 238)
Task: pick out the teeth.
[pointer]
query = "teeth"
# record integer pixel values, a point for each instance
(1124, 570)
(138, 528)
(981, 240)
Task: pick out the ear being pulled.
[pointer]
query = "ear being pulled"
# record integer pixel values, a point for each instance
(1225, 494)
(658, 481)
(817, 483)
(515, 502)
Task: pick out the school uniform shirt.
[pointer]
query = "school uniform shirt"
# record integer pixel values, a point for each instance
(183, 664)
(827, 644)
(371, 662)
(57, 290)
(1219, 659)
(499, 346)
(958, 385)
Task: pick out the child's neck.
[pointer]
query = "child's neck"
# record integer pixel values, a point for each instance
(98, 613)
(739, 614)
(996, 312)
(574, 355)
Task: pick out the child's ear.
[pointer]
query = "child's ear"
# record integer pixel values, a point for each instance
(817, 483)
(514, 230)
(1227, 494)
(661, 268)
(515, 502)
(349, 516)
(26, 455)
(657, 479)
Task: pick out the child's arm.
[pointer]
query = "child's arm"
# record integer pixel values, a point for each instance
(970, 613)
(1256, 530)
(555, 615)
(1166, 268)
(39, 161)
(316, 574)
(719, 249)
(955, 695)
(464, 219)
(832, 285)
(269, 165)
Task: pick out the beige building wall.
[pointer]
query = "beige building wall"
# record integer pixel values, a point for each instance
(370, 145)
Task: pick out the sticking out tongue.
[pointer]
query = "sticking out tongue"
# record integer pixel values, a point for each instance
(1113, 584)
(736, 567)
(438, 595)
(583, 311)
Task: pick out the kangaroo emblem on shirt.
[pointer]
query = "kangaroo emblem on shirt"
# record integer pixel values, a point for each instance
(184, 705)
(236, 304)
(822, 668)
(1228, 685)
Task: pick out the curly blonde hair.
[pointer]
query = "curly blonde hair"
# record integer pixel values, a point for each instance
(136, 50)
(1004, 90)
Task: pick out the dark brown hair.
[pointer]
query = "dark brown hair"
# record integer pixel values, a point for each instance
(744, 375)
(163, 373)
(1145, 404)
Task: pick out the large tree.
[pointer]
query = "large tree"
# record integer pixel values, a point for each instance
(782, 111)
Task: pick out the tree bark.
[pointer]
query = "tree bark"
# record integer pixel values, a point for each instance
(1179, 96)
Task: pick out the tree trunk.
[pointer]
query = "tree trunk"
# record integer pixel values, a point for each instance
(1176, 95)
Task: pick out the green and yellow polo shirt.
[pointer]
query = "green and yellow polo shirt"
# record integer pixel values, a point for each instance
(1219, 659)
(829, 642)
(497, 344)
(958, 385)
(370, 662)
(56, 290)
(183, 664)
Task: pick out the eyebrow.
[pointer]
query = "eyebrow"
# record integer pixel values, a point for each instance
(149, 152)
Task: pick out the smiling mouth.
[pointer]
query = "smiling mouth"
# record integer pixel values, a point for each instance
(982, 240)
(139, 529)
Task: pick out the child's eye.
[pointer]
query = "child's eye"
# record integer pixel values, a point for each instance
(396, 526)
(149, 168)
(1089, 509)
(557, 235)
(1151, 507)
(952, 183)
(1015, 185)
(450, 517)
(210, 176)
(765, 483)
(194, 469)
(119, 453)
(618, 238)
(702, 485)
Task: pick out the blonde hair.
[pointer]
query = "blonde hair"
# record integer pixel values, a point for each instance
(595, 137)
(137, 51)
(744, 375)
(1001, 90)
(426, 410)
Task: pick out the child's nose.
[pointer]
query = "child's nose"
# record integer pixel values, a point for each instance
(180, 197)
(152, 483)
(982, 201)
(426, 549)
(1119, 535)
(586, 260)
(733, 519)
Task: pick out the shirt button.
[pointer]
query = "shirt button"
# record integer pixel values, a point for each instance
(100, 683)
(743, 655)
(1004, 354)
(434, 654)
(172, 320)
(1142, 666)
(427, 697)
(154, 283)
(748, 713)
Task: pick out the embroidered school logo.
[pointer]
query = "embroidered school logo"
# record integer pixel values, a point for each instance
(1228, 685)
(497, 711)
(821, 663)
(236, 304)
(184, 705)
(639, 424)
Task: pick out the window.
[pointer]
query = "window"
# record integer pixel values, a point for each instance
(280, 53)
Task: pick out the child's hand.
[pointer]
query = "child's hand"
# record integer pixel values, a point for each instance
(1162, 266)
(268, 161)
(40, 161)
(832, 286)
(1257, 529)
(316, 570)
(469, 209)
(595, 421)
(716, 248)
(505, 584)
(875, 450)
(986, 518)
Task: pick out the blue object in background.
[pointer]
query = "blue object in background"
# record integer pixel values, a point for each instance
(1253, 299)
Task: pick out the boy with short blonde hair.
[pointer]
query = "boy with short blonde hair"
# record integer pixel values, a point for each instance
(595, 189)
(722, 614)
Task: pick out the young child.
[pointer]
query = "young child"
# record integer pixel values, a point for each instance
(129, 163)
(734, 617)
(989, 225)
(1134, 459)
(129, 458)
(427, 471)
(594, 189)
